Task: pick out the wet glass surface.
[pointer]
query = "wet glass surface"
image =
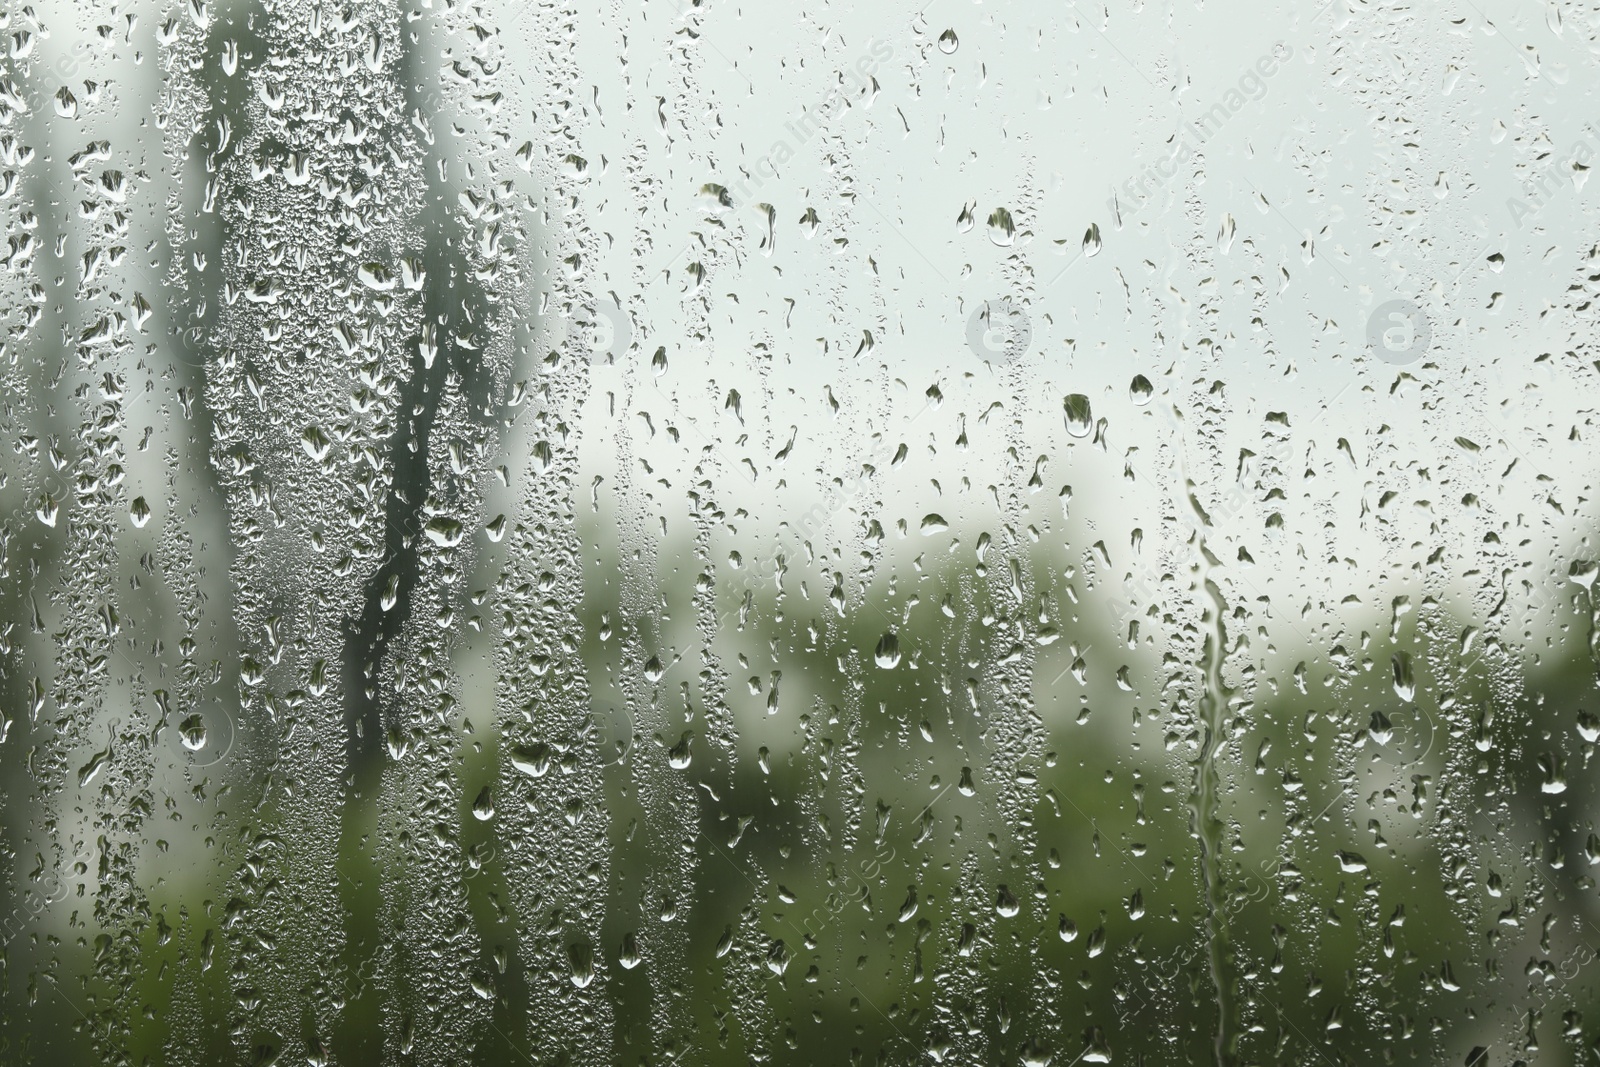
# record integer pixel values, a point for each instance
(689, 534)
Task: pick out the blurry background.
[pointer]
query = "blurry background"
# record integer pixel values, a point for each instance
(682, 533)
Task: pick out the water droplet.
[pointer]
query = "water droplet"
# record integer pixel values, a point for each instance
(1225, 233)
(887, 654)
(1035, 1054)
(678, 756)
(629, 956)
(1405, 684)
(483, 807)
(444, 531)
(532, 760)
(1079, 417)
(1002, 229)
(581, 958)
(777, 958)
(375, 276)
(948, 42)
(1351, 862)
(1555, 773)
(909, 908)
(1096, 1050)
(1006, 904)
(1381, 729)
(192, 731)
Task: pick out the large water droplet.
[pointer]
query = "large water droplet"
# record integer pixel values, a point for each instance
(483, 807)
(887, 654)
(1006, 904)
(1079, 417)
(581, 957)
(777, 958)
(1405, 683)
(532, 760)
(678, 756)
(1351, 862)
(192, 731)
(1002, 229)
